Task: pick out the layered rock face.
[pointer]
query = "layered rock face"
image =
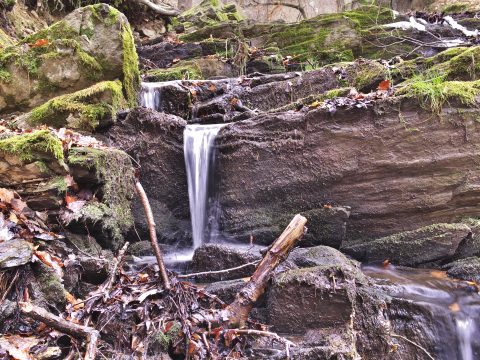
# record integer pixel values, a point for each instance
(395, 166)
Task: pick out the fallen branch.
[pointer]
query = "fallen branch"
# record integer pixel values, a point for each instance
(236, 314)
(279, 251)
(214, 272)
(159, 9)
(64, 326)
(112, 275)
(153, 234)
(262, 333)
(414, 344)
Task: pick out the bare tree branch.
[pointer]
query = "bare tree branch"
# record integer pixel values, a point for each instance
(158, 8)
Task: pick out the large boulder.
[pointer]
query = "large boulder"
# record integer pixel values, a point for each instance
(36, 166)
(394, 170)
(412, 248)
(329, 305)
(92, 43)
(155, 141)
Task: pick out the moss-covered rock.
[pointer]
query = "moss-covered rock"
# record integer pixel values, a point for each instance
(428, 244)
(208, 13)
(91, 43)
(86, 109)
(27, 146)
(109, 173)
(179, 72)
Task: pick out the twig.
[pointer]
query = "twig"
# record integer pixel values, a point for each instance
(415, 344)
(213, 272)
(64, 326)
(262, 333)
(12, 282)
(153, 234)
(107, 285)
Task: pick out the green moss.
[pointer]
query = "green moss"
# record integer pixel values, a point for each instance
(58, 184)
(180, 72)
(27, 145)
(131, 73)
(59, 30)
(114, 171)
(163, 340)
(50, 284)
(455, 8)
(90, 105)
(433, 93)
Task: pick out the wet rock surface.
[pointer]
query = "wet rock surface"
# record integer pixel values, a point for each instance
(14, 253)
(364, 159)
(154, 140)
(211, 257)
(412, 248)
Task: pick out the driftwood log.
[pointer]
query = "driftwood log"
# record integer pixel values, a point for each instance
(64, 326)
(236, 314)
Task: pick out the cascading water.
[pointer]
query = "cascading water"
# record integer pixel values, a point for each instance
(453, 309)
(198, 144)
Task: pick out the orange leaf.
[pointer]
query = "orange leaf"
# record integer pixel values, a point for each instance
(454, 307)
(142, 277)
(384, 85)
(212, 88)
(386, 263)
(40, 42)
(70, 199)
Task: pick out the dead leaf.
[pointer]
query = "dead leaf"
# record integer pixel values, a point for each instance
(386, 263)
(384, 85)
(39, 43)
(6, 195)
(455, 307)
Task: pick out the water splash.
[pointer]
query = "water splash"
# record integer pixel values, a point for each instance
(198, 145)
(465, 330)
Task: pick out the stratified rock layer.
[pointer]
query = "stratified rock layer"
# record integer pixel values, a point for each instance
(397, 166)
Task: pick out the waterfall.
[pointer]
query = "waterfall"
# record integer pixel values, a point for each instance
(465, 330)
(150, 96)
(198, 145)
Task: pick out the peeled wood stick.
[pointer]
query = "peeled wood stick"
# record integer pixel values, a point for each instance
(214, 272)
(242, 305)
(64, 326)
(153, 234)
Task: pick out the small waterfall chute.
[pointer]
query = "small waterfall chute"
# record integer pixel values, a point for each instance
(198, 142)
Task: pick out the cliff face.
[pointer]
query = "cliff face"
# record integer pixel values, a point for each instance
(396, 166)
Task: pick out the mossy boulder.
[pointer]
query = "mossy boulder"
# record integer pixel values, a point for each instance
(33, 164)
(207, 13)
(91, 43)
(411, 248)
(87, 109)
(195, 69)
(466, 269)
(109, 174)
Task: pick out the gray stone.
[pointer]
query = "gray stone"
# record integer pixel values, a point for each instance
(211, 257)
(411, 248)
(15, 252)
(465, 269)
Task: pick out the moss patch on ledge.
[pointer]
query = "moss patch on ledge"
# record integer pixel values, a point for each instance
(434, 93)
(25, 146)
(190, 71)
(114, 173)
(85, 109)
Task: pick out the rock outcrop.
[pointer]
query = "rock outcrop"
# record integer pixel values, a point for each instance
(397, 167)
(92, 43)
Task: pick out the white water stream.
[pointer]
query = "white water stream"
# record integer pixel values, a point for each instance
(198, 146)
